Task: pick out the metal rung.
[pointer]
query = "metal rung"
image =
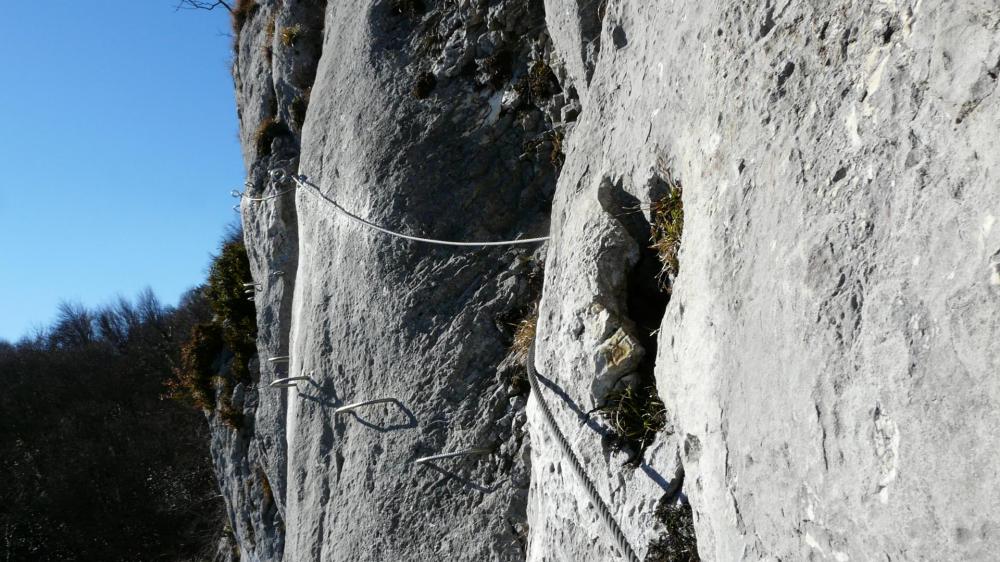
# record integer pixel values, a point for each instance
(278, 359)
(466, 452)
(252, 284)
(278, 273)
(351, 407)
(249, 298)
(287, 382)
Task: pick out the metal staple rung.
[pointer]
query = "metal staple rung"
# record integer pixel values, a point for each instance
(278, 359)
(351, 407)
(287, 382)
(462, 453)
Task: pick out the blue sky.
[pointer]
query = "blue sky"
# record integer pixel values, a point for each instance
(118, 150)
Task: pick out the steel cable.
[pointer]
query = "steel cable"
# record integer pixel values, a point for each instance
(603, 511)
(304, 182)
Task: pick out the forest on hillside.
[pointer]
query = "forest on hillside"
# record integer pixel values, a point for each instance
(104, 446)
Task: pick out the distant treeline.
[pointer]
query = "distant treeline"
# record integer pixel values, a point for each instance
(98, 463)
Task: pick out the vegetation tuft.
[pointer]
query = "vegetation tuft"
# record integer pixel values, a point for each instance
(542, 81)
(424, 85)
(236, 314)
(678, 542)
(244, 10)
(524, 336)
(199, 365)
(557, 157)
(289, 35)
(636, 414)
(667, 226)
(217, 354)
(554, 138)
(498, 68)
(268, 130)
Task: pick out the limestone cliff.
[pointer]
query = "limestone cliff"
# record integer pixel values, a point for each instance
(823, 345)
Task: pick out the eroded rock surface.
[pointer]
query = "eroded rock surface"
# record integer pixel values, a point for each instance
(825, 354)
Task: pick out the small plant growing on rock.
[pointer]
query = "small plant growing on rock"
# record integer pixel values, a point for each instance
(557, 157)
(636, 414)
(228, 414)
(667, 226)
(678, 542)
(242, 12)
(542, 81)
(524, 336)
(498, 68)
(289, 35)
(268, 130)
(424, 85)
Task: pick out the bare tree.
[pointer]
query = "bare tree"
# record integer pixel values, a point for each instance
(203, 5)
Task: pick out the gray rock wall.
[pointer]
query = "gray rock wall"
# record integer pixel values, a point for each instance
(825, 356)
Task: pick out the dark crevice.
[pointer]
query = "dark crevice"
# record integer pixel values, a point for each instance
(633, 408)
(648, 294)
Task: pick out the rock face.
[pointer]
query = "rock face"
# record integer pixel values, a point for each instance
(824, 354)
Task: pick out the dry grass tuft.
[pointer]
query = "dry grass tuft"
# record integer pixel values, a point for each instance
(244, 10)
(524, 336)
(635, 415)
(678, 543)
(268, 130)
(667, 215)
(289, 35)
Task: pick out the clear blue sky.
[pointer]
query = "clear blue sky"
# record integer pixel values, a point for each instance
(118, 150)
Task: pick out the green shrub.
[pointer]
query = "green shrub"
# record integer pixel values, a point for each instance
(217, 355)
(199, 365)
(236, 314)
